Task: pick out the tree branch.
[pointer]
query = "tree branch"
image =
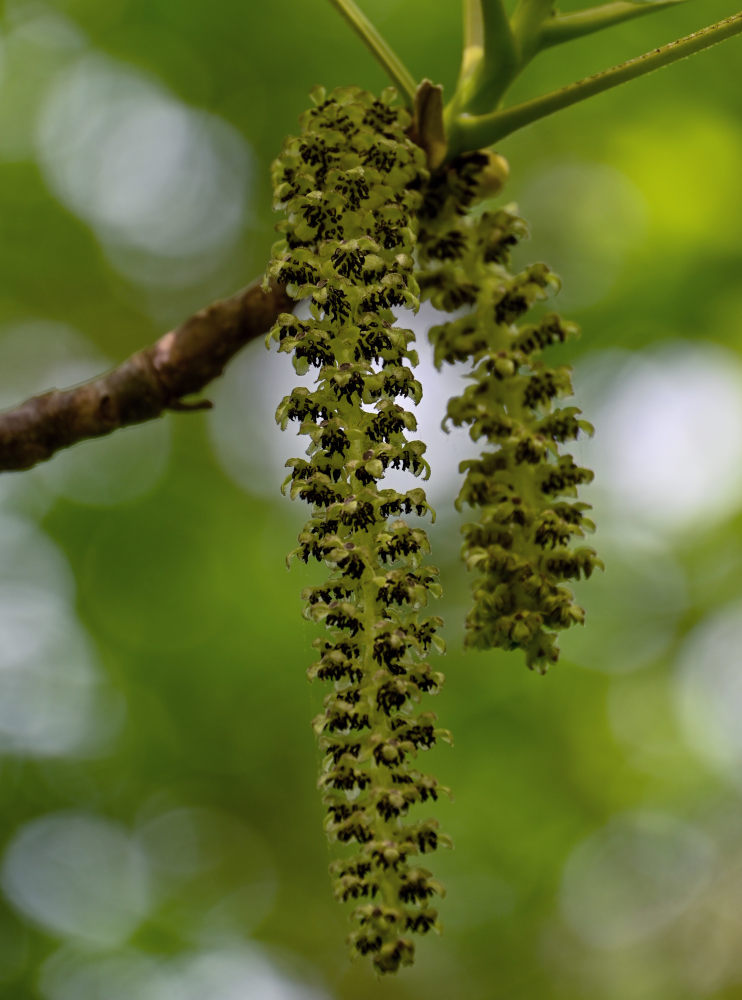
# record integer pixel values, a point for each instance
(145, 385)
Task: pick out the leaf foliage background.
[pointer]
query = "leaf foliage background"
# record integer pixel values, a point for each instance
(161, 832)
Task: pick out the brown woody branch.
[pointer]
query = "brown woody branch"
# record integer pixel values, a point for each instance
(144, 386)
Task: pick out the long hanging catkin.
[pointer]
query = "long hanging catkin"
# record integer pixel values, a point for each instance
(349, 188)
(520, 546)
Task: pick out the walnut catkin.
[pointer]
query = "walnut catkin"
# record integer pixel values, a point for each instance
(523, 486)
(349, 187)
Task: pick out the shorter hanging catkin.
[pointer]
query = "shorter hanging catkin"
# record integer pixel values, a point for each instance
(523, 486)
(349, 190)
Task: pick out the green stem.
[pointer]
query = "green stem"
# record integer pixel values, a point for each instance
(565, 27)
(473, 49)
(469, 132)
(500, 63)
(527, 21)
(398, 72)
(532, 11)
(490, 59)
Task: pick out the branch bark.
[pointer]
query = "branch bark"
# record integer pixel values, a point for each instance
(143, 387)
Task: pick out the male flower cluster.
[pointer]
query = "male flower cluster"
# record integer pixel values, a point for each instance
(523, 487)
(349, 188)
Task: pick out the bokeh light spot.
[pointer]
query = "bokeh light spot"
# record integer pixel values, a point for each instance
(53, 702)
(709, 690)
(632, 877)
(668, 445)
(78, 875)
(238, 973)
(221, 869)
(152, 176)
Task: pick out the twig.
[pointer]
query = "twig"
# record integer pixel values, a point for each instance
(144, 386)
(565, 27)
(478, 131)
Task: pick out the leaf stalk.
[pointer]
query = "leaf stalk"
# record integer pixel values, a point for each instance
(400, 76)
(471, 131)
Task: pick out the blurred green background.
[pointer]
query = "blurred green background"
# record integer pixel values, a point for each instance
(160, 833)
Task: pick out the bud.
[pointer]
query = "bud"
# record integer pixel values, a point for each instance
(492, 176)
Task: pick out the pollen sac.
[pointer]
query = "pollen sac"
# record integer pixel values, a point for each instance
(523, 488)
(350, 189)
